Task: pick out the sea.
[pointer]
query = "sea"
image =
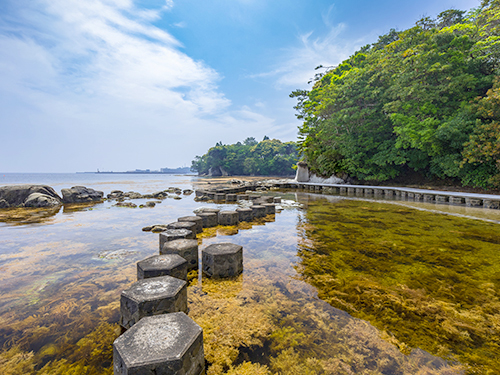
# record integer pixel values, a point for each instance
(331, 284)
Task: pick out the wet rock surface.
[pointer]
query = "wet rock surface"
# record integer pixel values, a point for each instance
(17, 195)
(81, 194)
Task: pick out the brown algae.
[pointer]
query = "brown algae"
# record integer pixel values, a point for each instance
(59, 301)
(427, 280)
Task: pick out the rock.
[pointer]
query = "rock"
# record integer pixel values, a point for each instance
(150, 204)
(115, 194)
(16, 195)
(133, 195)
(125, 204)
(159, 228)
(4, 204)
(81, 194)
(147, 229)
(228, 218)
(40, 200)
(187, 192)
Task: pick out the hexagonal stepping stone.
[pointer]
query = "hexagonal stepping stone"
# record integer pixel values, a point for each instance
(231, 197)
(222, 260)
(243, 197)
(228, 218)
(163, 344)
(187, 249)
(163, 265)
(183, 225)
(277, 199)
(245, 214)
(193, 219)
(175, 234)
(258, 211)
(209, 219)
(147, 297)
(270, 208)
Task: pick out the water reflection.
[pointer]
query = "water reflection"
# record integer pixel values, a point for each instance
(60, 285)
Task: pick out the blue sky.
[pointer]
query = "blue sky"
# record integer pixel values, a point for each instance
(123, 84)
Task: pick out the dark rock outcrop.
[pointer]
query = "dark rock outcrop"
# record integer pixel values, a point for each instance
(17, 196)
(36, 200)
(81, 194)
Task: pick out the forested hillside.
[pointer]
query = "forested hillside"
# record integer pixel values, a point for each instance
(270, 157)
(426, 99)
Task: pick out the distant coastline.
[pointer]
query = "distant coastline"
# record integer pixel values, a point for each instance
(185, 170)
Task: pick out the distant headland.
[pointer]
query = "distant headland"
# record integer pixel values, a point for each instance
(180, 170)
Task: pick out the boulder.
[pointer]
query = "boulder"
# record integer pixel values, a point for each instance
(16, 195)
(4, 204)
(81, 194)
(36, 200)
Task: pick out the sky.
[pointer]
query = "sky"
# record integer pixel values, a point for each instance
(119, 85)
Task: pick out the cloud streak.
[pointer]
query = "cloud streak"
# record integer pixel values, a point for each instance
(91, 77)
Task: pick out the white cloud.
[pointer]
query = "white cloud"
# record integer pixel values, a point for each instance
(104, 88)
(296, 64)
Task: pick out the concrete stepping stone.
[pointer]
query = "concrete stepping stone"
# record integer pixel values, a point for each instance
(258, 211)
(147, 297)
(183, 225)
(193, 219)
(163, 265)
(162, 344)
(209, 219)
(222, 260)
(187, 249)
(228, 218)
(245, 214)
(270, 208)
(175, 234)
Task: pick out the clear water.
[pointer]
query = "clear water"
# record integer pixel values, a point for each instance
(62, 272)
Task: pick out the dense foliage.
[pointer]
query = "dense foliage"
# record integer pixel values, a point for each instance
(270, 157)
(423, 99)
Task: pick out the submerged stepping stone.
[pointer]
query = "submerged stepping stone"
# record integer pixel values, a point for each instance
(258, 211)
(209, 219)
(175, 234)
(277, 200)
(228, 218)
(187, 249)
(222, 260)
(147, 297)
(193, 219)
(245, 214)
(163, 344)
(163, 265)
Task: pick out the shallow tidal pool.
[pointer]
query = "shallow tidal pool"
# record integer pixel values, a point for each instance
(337, 286)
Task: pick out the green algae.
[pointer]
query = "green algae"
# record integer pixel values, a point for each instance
(429, 281)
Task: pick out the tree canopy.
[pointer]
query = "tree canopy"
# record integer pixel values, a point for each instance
(423, 99)
(270, 157)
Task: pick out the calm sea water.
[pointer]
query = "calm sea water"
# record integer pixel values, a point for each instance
(335, 286)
